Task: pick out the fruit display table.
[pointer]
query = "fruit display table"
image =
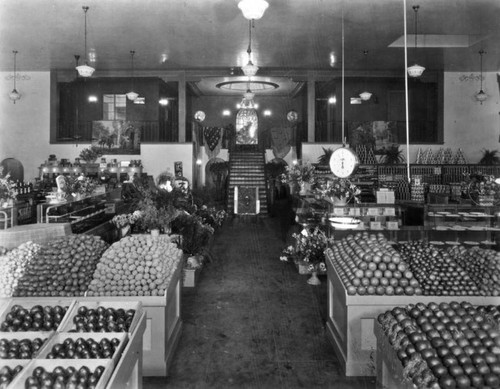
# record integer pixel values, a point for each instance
(119, 364)
(351, 321)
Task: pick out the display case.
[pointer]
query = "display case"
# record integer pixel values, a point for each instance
(452, 224)
(82, 215)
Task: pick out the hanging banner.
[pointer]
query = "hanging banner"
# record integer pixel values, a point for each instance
(213, 137)
(281, 141)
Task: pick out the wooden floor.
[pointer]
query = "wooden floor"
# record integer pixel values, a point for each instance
(252, 321)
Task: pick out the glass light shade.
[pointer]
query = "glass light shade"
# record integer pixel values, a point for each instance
(14, 95)
(253, 9)
(85, 70)
(365, 96)
(132, 96)
(481, 96)
(250, 69)
(415, 70)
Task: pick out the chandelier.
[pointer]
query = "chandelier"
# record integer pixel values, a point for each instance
(253, 9)
(416, 70)
(85, 70)
(132, 95)
(14, 95)
(250, 69)
(481, 96)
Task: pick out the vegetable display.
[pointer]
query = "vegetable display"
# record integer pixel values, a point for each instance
(13, 264)
(62, 267)
(446, 345)
(37, 318)
(64, 377)
(20, 348)
(7, 374)
(84, 349)
(368, 264)
(483, 266)
(137, 265)
(102, 319)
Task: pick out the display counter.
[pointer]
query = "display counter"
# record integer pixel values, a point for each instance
(351, 321)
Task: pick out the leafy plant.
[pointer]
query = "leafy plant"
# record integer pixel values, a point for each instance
(153, 217)
(324, 159)
(393, 155)
(490, 157)
(195, 235)
(298, 174)
(7, 186)
(90, 154)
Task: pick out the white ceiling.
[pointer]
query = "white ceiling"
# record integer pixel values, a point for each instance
(209, 37)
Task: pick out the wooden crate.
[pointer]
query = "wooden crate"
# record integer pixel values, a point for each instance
(389, 368)
(13, 363)
(68, 325)
(44, 335)
(48, 364)
(128, 372)
(59, 337)
(351, 320)
(163, 324)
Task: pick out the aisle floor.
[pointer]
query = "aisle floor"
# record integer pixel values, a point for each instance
(252, 321)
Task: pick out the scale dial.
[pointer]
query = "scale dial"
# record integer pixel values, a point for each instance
(343, 162)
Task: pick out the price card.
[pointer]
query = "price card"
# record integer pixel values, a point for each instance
(437, 170)
(373, 212)
(338, 211)
(354, 212)
(389, 212)
(375, 226)
(392, 226)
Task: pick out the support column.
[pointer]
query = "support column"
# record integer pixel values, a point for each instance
(311, 107)
(182, 107)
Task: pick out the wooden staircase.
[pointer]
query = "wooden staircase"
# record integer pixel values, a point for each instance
(246, 168)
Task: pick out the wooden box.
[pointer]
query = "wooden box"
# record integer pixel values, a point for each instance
(12, 363)
(44, 335)
(48, 364)
(351, 321)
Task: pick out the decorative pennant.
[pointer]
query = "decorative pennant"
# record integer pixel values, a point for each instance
(213, 137)
(280, 141)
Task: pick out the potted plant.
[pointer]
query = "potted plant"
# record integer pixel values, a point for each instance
(299, 174)
(324, 159)
(8, 192)
(308, 249)
(90, 154)
(393, 155)
(154, 219)
(78, 187)
(490, 157)
(219, 171)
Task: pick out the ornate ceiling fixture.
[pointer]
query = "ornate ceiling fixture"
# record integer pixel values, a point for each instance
(14, 95)
(481, 96)
(85, 70)
(132, 95)
(253, 9)
(365, 95)
(416, 70)
(247, 102)
(250, 69)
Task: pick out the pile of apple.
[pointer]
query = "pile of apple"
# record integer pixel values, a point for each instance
(37, 318)
(13, 265)
(82, 348)
(483, 266)
(22, 348)
(368, 264)
(7, 374)
(102, 319)
(62, 267)
(62, 378)
(137, 265)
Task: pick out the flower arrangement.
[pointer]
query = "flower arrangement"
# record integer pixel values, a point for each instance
(80, 185)
(309, 247)
(90, 154)
(126, 219)
(195, 234)
(298, 173)
(340, 188)
(481, 189)
(153, 218)
(7, 187)
(211, 216)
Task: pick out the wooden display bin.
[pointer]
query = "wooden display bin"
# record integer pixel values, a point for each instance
(389, 368)
(12, 363)
(351, 321)
(163, 324)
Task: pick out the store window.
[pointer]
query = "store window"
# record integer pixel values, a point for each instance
(114, 107)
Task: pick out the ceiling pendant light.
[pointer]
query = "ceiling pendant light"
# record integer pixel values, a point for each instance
(250, 69)
(253, 9)
(85, 70)
(416, 70)
(481, 96)
(247, 102)
(365, 95)
(132, 95)
(14, 95)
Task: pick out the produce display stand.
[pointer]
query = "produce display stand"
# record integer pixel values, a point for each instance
(163, 324)
(389, 367)
(351, 321)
